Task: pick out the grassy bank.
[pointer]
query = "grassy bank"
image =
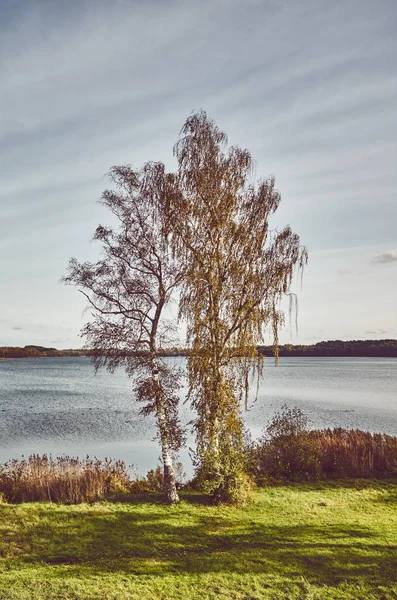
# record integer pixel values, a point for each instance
(314, 541)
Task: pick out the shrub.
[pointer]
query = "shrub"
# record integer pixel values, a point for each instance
(289, 451)
(286, 450)
(223, 475)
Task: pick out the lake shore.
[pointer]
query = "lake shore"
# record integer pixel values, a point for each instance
(330, 348)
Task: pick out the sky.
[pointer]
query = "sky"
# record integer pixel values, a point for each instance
(309, 87)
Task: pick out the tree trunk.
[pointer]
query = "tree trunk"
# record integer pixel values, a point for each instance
(170, 490)
(169, 475)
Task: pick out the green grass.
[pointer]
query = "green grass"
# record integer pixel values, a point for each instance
(312, 541)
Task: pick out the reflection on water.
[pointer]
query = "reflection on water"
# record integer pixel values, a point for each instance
(58, 405)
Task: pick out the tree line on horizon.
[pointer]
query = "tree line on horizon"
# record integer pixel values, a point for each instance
(32, 351)
(354, 348)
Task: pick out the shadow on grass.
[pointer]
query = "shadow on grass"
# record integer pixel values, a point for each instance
(389, 483)
(158, 541)
(389, 486)
(159, 499)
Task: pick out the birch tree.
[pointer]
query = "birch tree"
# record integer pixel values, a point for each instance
(127, 292)
(236, 272)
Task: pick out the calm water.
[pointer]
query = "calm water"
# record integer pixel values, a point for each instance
(58, 405)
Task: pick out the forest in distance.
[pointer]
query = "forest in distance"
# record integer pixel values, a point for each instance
(337, 348)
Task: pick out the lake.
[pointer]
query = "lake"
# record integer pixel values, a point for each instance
(59, 405)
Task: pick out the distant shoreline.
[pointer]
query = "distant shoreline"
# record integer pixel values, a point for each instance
(332, 348)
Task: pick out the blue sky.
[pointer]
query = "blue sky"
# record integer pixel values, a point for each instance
(308, 87)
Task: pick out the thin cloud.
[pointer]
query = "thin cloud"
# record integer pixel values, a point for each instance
(386, 257)
(378, 331)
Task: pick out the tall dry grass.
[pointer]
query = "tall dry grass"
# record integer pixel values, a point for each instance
(355, 453)
(324, 454)
(63, 479)
(289, 450)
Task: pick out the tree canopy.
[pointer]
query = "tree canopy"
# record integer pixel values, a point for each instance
(127, 291)
(236, 271)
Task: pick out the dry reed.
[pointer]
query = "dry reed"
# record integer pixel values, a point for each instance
(62, 479)
(319, 454)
